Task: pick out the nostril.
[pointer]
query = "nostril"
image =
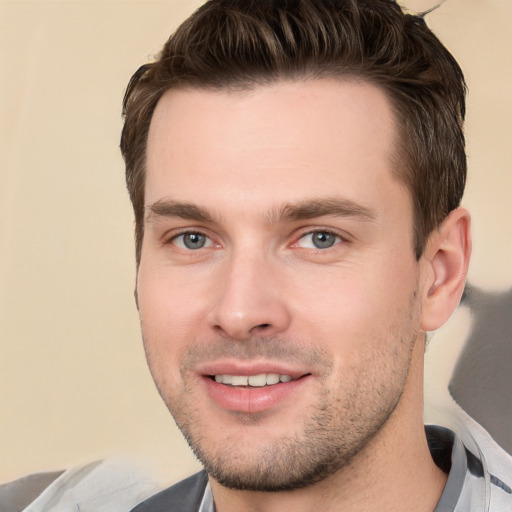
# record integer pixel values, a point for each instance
(261, 329)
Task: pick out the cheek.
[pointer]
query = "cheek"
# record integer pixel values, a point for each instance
(164, 315)
(167, 314)
(352, 307)
(168, 298)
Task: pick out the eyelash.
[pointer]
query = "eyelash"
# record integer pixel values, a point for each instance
(209, 242)
(330, 233)
(174, 238)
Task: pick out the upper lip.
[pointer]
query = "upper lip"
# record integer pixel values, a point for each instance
(248, 368)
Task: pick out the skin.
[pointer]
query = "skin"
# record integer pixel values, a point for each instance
(258, 173)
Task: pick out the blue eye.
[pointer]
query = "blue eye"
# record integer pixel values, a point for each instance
(318, 240)
(192, 241)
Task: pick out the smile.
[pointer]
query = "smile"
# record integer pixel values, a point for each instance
(254, 393)
(255, 381)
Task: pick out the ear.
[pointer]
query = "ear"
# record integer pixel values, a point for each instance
(444, 267)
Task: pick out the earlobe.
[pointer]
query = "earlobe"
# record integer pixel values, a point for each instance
(445, 265)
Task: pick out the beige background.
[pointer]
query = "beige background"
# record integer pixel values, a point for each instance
(73, 382)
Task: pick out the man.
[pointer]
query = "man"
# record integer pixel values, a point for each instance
(296, 170)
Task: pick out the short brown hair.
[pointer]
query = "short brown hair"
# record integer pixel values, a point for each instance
(240, 44)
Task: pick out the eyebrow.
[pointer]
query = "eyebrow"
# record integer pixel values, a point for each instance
(169, 208)
(333, 206)
(288, 212)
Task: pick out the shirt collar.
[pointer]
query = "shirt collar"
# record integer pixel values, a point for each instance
(465, 489)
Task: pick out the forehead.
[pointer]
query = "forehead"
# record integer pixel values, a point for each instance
(270, 141)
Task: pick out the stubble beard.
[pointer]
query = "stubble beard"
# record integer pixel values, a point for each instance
(336, 430)
(323, 446)
(337, 426)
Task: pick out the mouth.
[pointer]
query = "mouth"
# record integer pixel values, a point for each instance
(255, 391)
(252, 381)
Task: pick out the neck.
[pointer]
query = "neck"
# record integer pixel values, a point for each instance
(394, 472)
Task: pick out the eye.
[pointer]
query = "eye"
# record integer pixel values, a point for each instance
(318, 240)
(191, 241)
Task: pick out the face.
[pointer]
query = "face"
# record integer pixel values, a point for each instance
(277, 289)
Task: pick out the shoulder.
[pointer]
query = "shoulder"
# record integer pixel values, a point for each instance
(487, 462)
(18, 494)
(498, 470)
(113, 485)
(185, 496)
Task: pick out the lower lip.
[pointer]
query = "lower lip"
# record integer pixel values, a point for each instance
(252, 400)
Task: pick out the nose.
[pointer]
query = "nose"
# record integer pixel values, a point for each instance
(249, 301)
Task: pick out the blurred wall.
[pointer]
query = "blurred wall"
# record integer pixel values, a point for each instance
(73, 380)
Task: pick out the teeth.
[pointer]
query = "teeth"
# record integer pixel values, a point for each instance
(256, 381)
(272, 378)
(239, 380)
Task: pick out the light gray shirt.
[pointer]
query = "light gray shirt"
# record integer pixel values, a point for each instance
(470, 486)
